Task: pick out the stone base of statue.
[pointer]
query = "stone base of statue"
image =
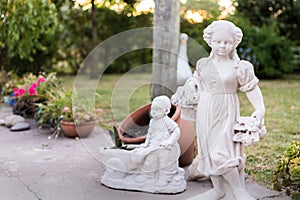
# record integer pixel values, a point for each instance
(127, 170)
(137, 182)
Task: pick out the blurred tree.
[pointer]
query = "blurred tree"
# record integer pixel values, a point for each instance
(27, 32)
(269, 52)
(197, 11)
(285, 12)
(76, 37)
(93, 12)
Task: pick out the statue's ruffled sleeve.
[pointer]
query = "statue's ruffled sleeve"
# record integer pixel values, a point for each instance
(246, 77)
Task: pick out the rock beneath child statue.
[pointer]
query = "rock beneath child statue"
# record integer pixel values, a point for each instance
(11, 120)
(152, 167)
(21, 126)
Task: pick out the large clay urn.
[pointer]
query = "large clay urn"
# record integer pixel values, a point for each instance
(139, 120)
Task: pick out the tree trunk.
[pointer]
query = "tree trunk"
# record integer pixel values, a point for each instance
(93, 72)
(165, 47)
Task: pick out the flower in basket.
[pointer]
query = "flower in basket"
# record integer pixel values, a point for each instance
(33, 89)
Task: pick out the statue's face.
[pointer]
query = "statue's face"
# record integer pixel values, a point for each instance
(222, 43)
(157, 112)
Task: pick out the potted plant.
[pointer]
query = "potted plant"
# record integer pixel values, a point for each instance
(30, 90)
(72, 120)
(79, 121)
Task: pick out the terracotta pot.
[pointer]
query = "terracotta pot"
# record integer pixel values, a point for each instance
(140, 119)
(82, 130)
(186, 142)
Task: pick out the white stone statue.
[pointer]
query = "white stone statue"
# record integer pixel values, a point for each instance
(152, 167)
(219, 77)
(187, 97)
(183, 68)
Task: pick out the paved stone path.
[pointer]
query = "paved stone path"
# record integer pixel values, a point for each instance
(32, 167)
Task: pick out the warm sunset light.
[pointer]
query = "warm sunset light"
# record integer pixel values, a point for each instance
(195, 16)
(226, 7)
(146, 6)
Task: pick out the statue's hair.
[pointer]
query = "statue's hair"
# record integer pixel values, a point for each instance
(163, 101)
(229, 27)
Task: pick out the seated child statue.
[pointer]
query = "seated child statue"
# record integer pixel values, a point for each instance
(153, 167)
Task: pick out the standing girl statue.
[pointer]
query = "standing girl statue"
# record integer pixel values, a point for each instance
(220, 76)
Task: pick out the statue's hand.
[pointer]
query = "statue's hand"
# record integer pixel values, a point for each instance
(166, 144)
(144, 145)
(259, 115)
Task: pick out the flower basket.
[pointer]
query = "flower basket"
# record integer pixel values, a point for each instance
(26, 107)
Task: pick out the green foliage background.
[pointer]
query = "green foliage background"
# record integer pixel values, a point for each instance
(57, 36)
(27, 34)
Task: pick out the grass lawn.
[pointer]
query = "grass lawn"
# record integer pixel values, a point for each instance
(119, 95)
(282, 119)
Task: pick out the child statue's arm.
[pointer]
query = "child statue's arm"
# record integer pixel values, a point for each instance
(173, 139)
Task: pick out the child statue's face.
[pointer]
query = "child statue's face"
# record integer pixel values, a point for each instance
(222, 43)
(157, 112)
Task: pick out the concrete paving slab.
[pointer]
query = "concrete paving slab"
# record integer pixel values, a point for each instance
(34, 167)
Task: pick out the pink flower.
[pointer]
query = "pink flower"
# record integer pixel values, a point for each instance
(34, 85)
(32, 90)
(66, 110)
(41, 80)
(16, 92)
(21, 91)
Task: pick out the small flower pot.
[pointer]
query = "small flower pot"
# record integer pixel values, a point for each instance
(70, 129)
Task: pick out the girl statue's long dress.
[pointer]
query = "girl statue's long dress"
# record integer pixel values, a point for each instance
(217, 112)
(220, 76)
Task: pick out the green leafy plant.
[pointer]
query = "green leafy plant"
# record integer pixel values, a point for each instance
(3, 79)
(61, 108)
(7, 82)
(81, 113)
(33, 89)
(287, 171)
(51, 112)
(270, 53)
(28, 34)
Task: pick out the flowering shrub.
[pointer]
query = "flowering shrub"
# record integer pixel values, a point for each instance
(33, 86)
(287, 171)
(51, 111)
(33, 89)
